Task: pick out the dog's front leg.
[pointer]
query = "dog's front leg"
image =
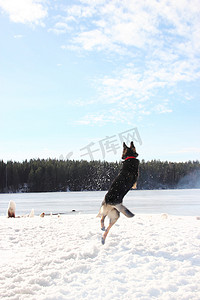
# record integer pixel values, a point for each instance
(114, 216)
(106, 233)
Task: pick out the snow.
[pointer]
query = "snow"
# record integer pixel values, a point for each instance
(154, 256)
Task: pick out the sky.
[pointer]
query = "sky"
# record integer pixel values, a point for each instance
(77, 78)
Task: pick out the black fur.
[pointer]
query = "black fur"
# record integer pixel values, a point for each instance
(126, 178)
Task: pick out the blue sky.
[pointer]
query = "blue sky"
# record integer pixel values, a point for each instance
(82, 74)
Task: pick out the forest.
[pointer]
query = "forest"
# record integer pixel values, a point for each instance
(51, 175)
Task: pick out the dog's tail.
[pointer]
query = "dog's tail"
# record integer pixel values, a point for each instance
(123, 209)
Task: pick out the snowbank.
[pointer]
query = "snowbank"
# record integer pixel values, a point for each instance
(147, 257)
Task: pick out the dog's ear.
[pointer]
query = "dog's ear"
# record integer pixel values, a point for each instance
(132, 147)
(124, 145)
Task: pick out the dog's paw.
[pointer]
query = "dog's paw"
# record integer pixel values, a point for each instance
(102, 240)
(103, 228)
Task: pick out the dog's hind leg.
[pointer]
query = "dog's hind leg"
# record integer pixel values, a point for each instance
(114, 216)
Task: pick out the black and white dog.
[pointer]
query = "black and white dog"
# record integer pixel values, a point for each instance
(127, 179)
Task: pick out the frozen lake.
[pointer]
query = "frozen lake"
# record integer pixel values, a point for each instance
(174, 202)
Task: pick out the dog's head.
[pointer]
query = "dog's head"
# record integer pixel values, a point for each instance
(129, 151)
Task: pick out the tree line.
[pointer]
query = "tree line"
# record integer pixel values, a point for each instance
(51, 175)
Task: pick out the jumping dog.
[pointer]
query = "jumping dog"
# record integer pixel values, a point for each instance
(127, 179)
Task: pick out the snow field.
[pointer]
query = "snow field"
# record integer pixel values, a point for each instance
(146, 257)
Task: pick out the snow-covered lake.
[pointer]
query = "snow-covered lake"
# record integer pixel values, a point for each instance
(175, 202)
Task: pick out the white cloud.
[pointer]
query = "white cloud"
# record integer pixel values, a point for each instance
(113, 23)
(161, 40)
(25, 11)
(93, 119)
(141, 85)
(162, 108)
(135, 23)
(132, 93)
(94, 38)
(18, 36)
(158, 43)
(60, 28)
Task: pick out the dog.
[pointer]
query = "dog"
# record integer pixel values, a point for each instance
(126, 179)
(11, 209)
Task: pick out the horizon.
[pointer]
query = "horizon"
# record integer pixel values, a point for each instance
(96, 160)
(79, 78)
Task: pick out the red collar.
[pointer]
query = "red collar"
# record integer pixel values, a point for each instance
(129, 157)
